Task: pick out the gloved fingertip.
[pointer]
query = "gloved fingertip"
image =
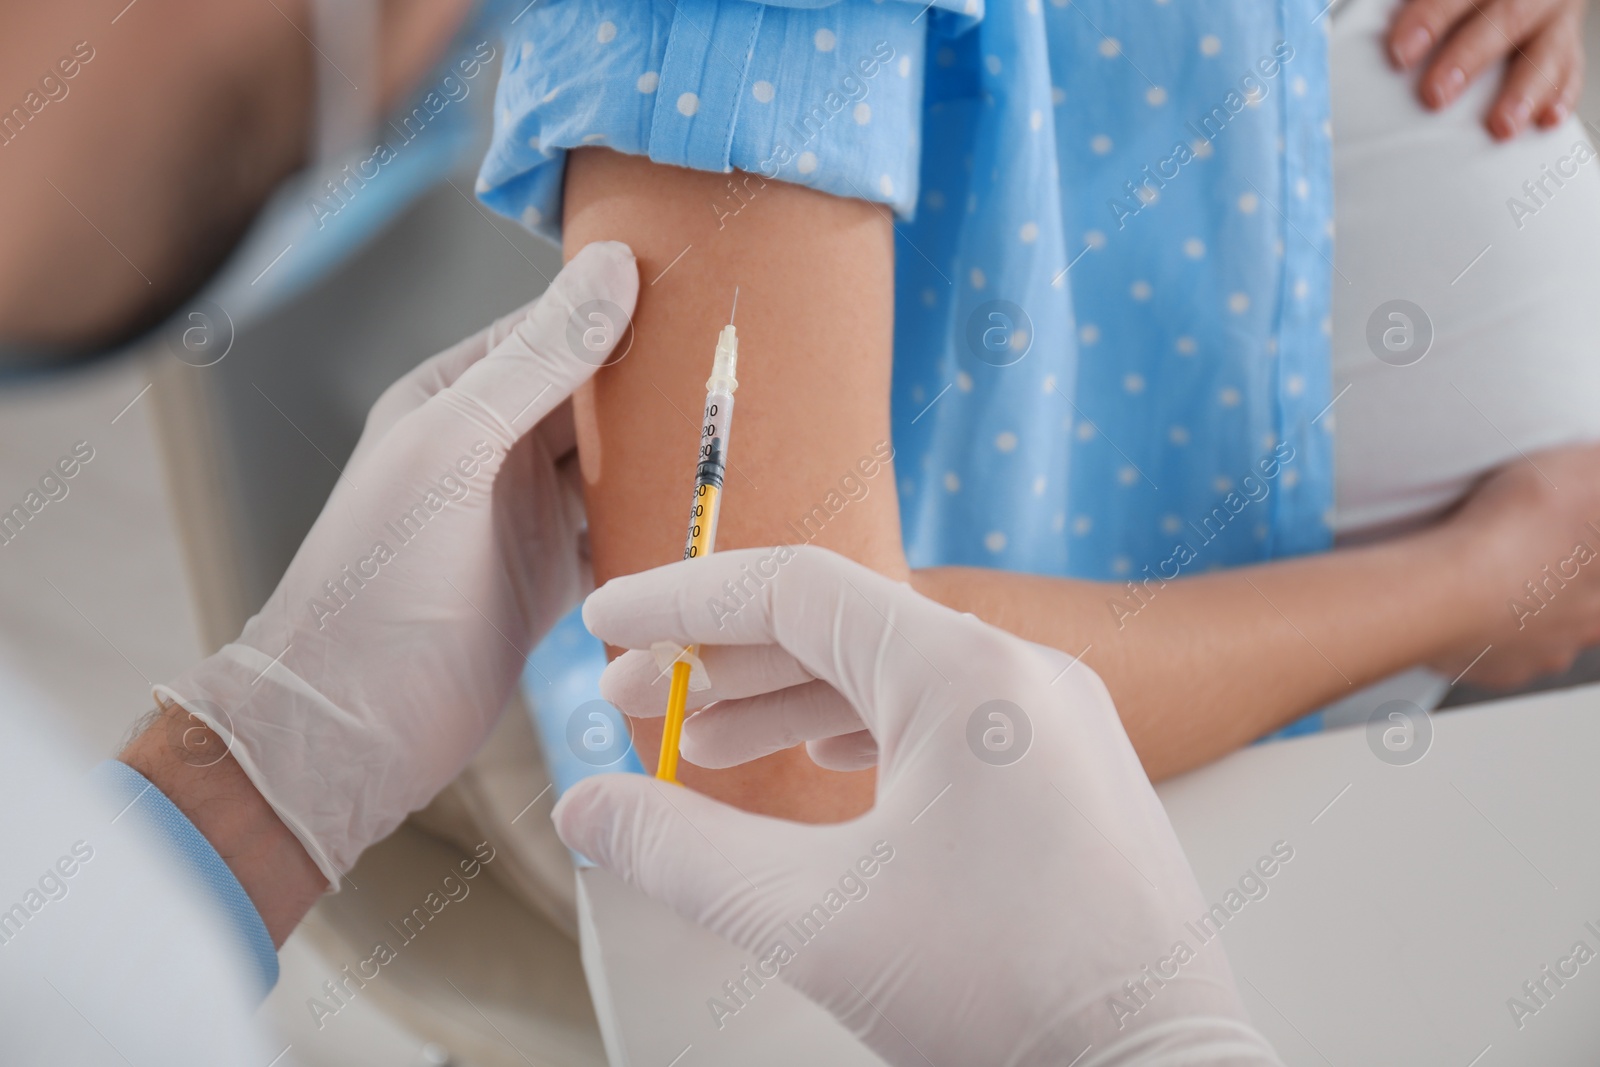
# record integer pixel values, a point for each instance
(856, 751)
(610, 817)
(609, 271)
(694, 748)
(582, 817)
(598, 609)
(611, 687)
(589, 612)
(626, 679)
(619, 251)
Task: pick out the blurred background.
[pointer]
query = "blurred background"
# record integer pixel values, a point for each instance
(214, 443)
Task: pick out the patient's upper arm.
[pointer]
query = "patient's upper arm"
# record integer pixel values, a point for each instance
(815, 320)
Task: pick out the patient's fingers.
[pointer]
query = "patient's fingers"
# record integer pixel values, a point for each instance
(1557, 54)
(1521, 97)
(1564, 102)
(1536, 81)
(1420, 25)
(737, 731)
(637, 685)
(1479, 41)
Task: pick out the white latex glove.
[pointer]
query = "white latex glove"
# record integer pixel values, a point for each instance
(448, 547)
(1017, 878)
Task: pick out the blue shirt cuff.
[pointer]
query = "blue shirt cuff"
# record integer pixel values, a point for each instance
(825, 96)
(201, 862)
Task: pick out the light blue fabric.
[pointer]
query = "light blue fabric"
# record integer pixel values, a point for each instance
(1185, 343)
(139, 799)
(579, 733)
(1113, 265)
(712, 85)
(563, 678)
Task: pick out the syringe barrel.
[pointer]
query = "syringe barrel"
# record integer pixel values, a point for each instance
(710, 472)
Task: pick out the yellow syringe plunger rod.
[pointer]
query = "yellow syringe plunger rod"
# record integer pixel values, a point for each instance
(708, 478)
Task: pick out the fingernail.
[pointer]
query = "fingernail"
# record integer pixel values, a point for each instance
(1444, 88)
(1411, 45)
(1508, 121)
(1555, 115)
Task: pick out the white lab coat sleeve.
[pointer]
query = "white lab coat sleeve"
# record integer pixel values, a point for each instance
(112, 951)
(198, 861)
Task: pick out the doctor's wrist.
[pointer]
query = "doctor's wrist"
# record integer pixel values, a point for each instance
(191, 765)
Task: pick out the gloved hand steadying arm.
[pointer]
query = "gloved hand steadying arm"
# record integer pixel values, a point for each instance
(448, 547)
(1015, 896)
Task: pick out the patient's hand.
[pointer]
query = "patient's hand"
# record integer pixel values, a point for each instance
(1543, 40)
(1532, 534)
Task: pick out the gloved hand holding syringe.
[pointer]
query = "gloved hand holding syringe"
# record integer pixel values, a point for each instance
(1021, 905)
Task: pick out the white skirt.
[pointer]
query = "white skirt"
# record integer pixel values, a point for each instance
(1497, 244)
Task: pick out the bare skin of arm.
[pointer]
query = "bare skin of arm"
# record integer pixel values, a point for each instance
(815, 320)
(1211, 663)
(1208, 664)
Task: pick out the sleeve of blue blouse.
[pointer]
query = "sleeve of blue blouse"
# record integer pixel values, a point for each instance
(827, 95)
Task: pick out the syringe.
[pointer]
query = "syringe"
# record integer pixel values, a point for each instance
(708, 477)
